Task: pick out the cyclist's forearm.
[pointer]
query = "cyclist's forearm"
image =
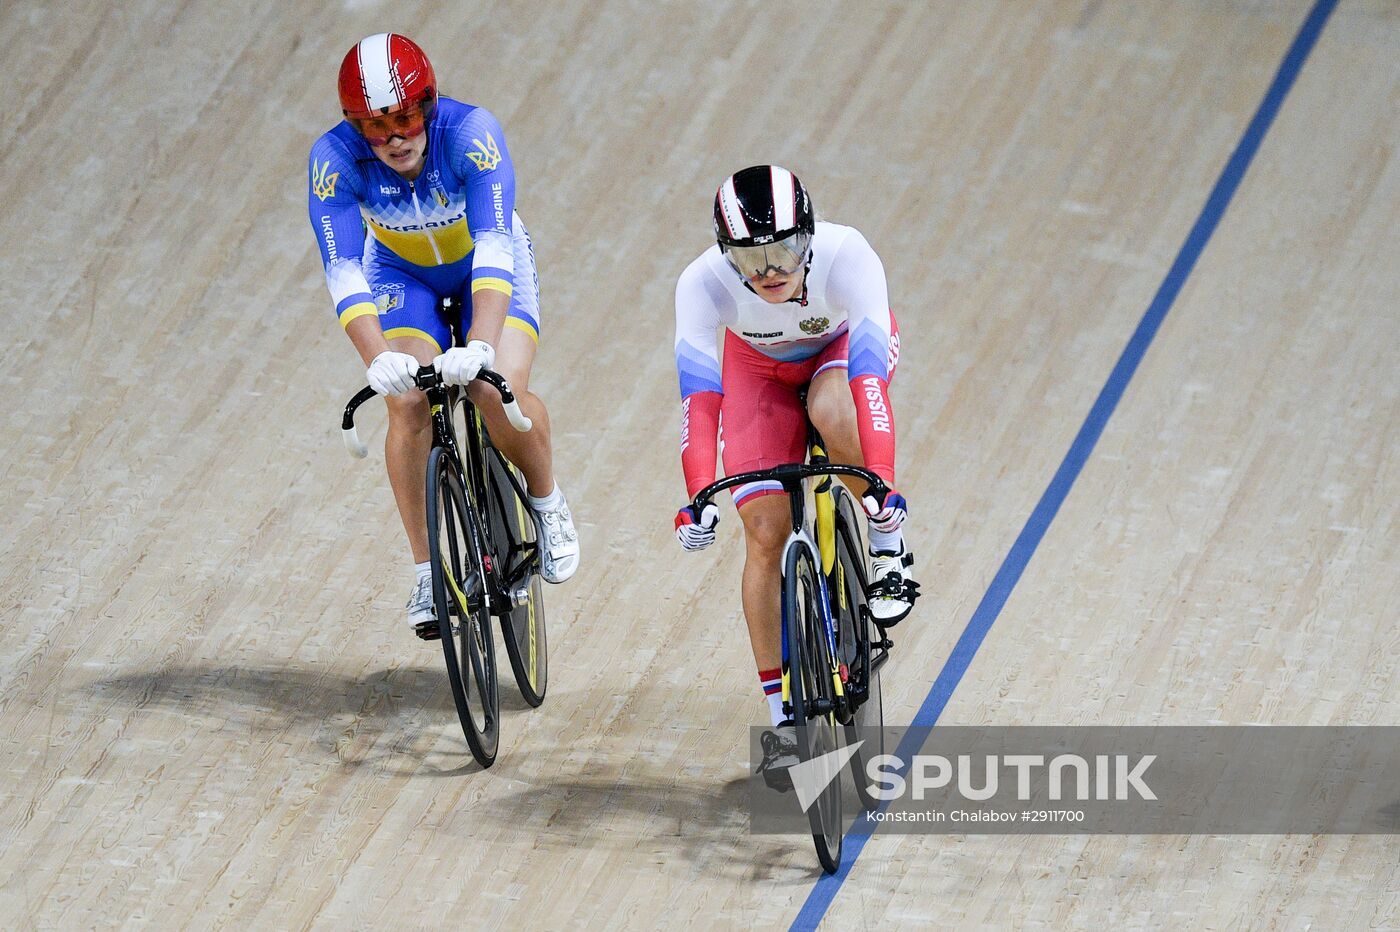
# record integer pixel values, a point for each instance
(489, 309)
(875, 424)
(367, 336)
(699, 444)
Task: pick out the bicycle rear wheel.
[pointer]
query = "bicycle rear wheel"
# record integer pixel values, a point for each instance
(812, 693)
(865, 728)
(459, 597)
(516, 556)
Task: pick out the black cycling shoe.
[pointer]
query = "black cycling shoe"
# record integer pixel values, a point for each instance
(779, 753)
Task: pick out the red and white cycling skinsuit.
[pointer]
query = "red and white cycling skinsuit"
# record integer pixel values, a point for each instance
(772, 351)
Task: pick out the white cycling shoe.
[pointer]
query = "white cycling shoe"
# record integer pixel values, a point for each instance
(892, 586)
(558, 542)
(420, 603)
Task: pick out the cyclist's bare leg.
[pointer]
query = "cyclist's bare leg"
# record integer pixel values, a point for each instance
(531, 451)
(406, 445)
(832, 409)
(767, 523)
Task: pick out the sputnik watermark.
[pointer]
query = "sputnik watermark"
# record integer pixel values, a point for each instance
(1116, 776)
(811, 777)
(1096, 779)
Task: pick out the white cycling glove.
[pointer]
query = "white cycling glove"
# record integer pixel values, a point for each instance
(459, 365)
(696, 532)
(886, 516)
(392, 373)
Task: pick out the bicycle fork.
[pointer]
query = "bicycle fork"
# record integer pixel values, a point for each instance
(838, 670)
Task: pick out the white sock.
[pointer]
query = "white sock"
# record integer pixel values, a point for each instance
(772, 683)
(887, 541)
(775, 709)
(424, 570)
(550, 502)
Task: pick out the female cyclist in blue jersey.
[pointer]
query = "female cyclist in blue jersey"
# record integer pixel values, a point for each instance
(412, 200)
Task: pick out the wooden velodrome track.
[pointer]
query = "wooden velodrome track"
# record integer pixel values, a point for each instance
(210, 713)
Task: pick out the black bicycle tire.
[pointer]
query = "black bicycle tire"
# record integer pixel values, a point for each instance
(523, 627)
(867, 721)
(468, 660)
(804, 676)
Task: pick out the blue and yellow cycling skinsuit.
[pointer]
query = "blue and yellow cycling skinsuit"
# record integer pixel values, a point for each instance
(396, 248)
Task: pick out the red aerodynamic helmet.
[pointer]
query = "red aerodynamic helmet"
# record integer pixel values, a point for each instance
(385, 74)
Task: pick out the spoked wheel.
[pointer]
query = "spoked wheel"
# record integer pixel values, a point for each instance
(515, 552)
(847, 584)
(813, 693)
(459, 597)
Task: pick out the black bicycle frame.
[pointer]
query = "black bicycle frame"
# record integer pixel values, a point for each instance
(501, 582)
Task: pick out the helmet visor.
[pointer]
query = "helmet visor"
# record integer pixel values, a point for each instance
(406, 123)
(784, 256)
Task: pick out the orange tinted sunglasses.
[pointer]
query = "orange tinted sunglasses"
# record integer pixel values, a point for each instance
(379, 130)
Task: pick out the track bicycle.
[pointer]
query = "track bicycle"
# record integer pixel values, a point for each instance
(831, 648)
(484, 553)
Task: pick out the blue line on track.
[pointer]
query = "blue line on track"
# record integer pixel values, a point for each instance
(826, 888)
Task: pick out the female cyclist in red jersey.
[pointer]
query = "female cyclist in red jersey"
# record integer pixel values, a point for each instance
(804, 305)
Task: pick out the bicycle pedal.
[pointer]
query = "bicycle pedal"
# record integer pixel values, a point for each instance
(895, 587)
(890, 587)
(428, 631)
(902, 593)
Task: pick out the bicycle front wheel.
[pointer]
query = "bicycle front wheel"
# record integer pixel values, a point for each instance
(812, 693)
(459, 598)
(515, 550)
